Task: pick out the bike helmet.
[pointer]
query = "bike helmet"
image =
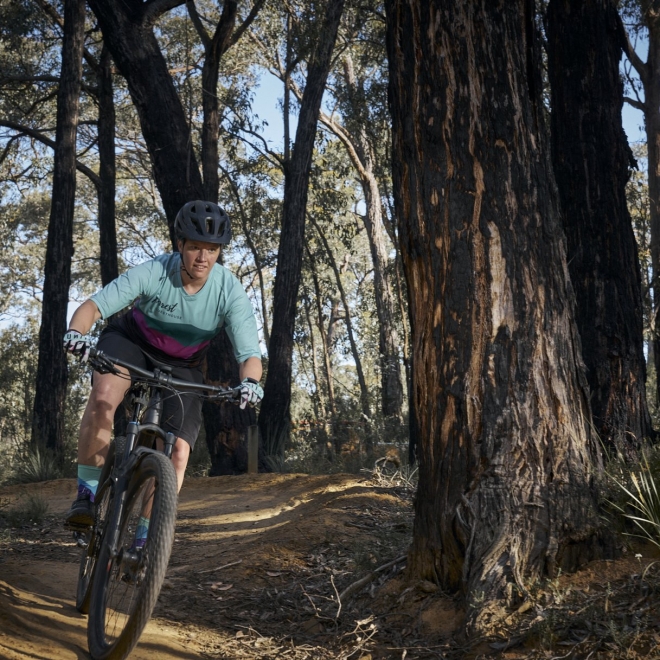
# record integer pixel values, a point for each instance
(202, 221)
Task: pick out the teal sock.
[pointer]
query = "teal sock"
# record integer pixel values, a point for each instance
(142, 529)
(88, 479)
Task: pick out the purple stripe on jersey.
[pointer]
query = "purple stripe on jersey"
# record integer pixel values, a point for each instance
(164, 342)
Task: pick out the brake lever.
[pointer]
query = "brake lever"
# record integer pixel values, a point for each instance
(103, 366)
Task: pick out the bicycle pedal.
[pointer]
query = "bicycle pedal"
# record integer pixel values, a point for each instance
(81, 539)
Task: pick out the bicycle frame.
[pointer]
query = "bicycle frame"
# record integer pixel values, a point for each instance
(147, 397)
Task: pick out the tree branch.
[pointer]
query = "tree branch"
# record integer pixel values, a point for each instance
(635, 103)
(156, 8)
(633, 57)
(197, 23)
(238, 33)
(40, 137)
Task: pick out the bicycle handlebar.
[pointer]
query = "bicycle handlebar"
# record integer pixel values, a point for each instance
(100, 359)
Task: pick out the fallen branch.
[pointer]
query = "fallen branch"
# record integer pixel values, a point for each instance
(219, 568)
(356, 586)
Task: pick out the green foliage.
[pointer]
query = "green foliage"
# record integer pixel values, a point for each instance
(252, 177)
(33, 466)
(642, 498)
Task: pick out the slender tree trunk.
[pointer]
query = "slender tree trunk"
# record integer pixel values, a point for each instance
(388, 340)
(325, 345)
(362, 382)
(318, 398)
(107, 171)
(500, 400)
(274, 418)
(47, 421)
(591, 158)
(652, 123)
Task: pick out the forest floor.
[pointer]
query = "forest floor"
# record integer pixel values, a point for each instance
(259, 563)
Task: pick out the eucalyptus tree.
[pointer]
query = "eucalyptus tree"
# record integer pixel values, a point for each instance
(358, 120)
(359, 86)
(128, 31)
(591, 160)
(274, 418)
(500, 400)
(47, 420)
(643, 19)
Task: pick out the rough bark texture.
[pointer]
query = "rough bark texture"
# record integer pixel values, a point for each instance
(500, 400)
(107, 171)
(591, 158)
(226, 429)
(128, 32)
(274, 418)
(47, 421)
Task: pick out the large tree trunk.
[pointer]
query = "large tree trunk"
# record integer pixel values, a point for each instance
(47, 421)
(591, 158)
(128, 32)
(107, 171)
(500, 400)
(274, 418)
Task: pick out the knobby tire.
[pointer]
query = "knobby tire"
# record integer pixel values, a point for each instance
(125, 588)
(95, 536)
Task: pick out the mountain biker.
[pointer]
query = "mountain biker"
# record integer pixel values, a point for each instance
(181, 301)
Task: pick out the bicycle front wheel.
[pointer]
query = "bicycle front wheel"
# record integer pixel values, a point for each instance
(94, 537)
(126, 586)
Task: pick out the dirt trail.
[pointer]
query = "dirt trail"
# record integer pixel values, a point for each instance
(267, 567)
(237, 538)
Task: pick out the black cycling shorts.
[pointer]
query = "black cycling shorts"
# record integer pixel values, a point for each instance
(182, 412)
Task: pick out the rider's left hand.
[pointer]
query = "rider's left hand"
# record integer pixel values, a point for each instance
(251, 392)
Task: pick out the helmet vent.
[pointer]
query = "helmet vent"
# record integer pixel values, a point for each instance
(203, 221)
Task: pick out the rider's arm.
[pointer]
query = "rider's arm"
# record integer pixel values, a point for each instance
(251, 368)
(85, 317)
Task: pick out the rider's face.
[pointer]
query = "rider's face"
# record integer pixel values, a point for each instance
(198, 258)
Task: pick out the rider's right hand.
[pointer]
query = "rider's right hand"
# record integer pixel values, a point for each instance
(77, 344)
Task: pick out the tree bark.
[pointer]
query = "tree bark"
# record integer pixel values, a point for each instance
(500, 399)
(274, 418)
(107, 171)
(226, 424)
(591, 158)
(127, 27)
(47, 421)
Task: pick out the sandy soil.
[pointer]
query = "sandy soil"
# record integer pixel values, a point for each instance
(267, 566)
(240, 542)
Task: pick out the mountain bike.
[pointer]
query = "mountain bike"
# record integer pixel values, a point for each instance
(121, 572)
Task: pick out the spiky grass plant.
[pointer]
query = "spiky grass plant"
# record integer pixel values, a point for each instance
(642, 505)
(35, 466)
